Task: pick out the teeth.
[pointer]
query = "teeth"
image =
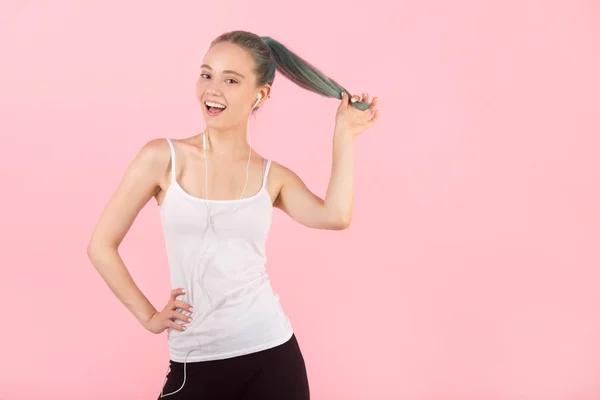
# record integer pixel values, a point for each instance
(216, 105)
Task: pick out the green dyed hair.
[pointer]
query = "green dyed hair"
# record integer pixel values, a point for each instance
(270, 55)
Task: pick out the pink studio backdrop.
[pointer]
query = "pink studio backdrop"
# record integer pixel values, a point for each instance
(471, 267)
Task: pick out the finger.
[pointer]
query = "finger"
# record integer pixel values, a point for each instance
(175, 325)
(345, 99)
(365, 97)
(183, 306)
(354, 99)
(181, 317)
(375, 118)
(177, 292)
(373, 104)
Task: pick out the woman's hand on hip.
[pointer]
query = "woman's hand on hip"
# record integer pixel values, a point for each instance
(159, 321)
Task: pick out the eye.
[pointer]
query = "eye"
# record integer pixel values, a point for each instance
(203, 75)
(234, 81)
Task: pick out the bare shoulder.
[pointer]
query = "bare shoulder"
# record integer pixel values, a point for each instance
(279, 170)
(155, 155)
(156, 149)
(139, 183)
(279, 176)
(282, 173)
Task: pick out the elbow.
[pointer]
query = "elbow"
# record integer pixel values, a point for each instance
(92, 247)
(92, 251)
(89, 249)
(95, 250)
(342, 223)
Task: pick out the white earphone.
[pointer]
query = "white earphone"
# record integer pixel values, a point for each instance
(211, 223)
(257, 100)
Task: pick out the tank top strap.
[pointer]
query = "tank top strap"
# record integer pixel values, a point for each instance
(266, 166)
(172, 160)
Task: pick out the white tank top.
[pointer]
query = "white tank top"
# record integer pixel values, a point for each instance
(221, 264)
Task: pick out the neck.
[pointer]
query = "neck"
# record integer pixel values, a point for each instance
(228, 142)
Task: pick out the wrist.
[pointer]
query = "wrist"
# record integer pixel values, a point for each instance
(343, 135)
(146, 316)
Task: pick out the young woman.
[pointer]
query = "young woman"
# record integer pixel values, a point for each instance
(228, 336)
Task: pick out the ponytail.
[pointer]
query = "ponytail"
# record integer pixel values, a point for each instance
(270, 55)
(305, 75)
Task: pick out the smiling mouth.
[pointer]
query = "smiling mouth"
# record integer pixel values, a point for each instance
(211, 110)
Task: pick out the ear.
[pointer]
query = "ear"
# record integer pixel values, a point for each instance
(265, 93)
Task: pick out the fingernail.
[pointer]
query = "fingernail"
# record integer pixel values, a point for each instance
(353, 100)
(189, 320)
(191, 309)
(182, 290)
(184, 328)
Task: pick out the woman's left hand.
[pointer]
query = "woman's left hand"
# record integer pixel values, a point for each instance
(352, 121)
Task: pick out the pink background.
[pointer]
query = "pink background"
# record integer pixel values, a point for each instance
(471, 268)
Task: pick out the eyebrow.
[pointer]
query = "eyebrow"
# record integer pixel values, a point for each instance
(227, 71)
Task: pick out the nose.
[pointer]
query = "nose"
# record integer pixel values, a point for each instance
(213, 86)
(210, 87)
(213, 93)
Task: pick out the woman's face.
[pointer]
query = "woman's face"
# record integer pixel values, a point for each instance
(227, 77)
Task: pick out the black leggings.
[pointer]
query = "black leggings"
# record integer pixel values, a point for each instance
(276, 373)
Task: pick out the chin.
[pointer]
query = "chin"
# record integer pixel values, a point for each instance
(220, 123)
